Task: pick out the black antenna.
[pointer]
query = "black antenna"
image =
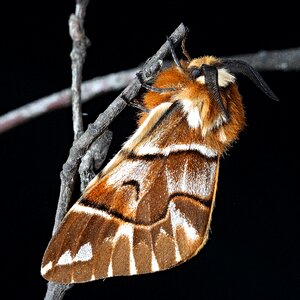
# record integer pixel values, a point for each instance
(211, 80)
(241, 67)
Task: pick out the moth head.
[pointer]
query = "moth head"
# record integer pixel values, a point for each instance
(218, 74)
(205, 71)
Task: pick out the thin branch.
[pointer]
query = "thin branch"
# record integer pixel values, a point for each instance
(276, 60)
(89, 90)
(78, 54)
(57, 291)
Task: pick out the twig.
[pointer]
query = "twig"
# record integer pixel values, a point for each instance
(78, 54)
(275, 60)
(89, 89)
(57, 291)
(94, 158)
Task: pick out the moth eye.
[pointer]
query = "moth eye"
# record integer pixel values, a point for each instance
(196, 73)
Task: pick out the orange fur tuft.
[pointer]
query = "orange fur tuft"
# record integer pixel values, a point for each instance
(187, 88)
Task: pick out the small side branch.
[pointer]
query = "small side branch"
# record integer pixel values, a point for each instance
(94, 158)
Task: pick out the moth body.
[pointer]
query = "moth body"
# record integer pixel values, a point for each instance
(150, 208)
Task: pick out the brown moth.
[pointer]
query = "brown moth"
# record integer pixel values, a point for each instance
(150, 208)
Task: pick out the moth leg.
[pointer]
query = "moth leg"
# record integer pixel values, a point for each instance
(175, 58)
(152, 88)
(137, 104)
(134, 103)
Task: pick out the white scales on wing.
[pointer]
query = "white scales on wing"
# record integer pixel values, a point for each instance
(199, 184)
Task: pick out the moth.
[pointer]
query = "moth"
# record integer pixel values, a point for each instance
(150, 208)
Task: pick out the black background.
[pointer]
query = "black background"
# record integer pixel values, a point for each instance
(253, 249)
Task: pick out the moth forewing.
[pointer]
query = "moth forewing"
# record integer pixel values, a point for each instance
(150, 208)
(149, 213)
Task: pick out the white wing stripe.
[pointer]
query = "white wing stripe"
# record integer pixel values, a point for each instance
(152, 150)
